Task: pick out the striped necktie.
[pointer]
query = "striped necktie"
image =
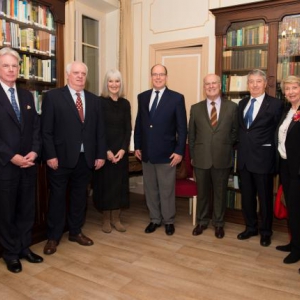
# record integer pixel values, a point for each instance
(14, 103)
(213, 114)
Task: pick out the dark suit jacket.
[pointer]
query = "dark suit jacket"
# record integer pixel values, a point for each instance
(256, 148)
(212, 146)
(292, 145)
(63, 132)
(16, 138)
(166, 133)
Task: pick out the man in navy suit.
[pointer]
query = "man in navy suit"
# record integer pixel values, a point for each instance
(73, 145)
(19, 147)
(160, 137)
(258, 117)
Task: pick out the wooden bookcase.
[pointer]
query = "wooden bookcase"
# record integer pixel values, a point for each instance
(256, 35)
(37, 32)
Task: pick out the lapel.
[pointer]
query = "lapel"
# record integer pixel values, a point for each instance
(293, 123)
(69, 99)
(205, 112)
(264, 106)
(5, 103)
(223, 109)
(242, 104)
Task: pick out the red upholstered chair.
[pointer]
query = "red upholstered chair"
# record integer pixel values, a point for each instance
(186, 187)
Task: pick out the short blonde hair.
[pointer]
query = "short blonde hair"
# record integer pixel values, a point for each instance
(112, 74)
(10, 51)
(289, 79)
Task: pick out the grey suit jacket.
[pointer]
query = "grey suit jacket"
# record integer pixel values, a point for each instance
(212, 146)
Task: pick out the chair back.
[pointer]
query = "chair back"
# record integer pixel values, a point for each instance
(187, 160)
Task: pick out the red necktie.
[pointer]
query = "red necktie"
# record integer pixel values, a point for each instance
(213, 115)
(79, 107)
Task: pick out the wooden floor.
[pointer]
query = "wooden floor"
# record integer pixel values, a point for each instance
(135, 265)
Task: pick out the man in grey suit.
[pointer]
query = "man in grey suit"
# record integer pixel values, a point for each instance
(212, 133)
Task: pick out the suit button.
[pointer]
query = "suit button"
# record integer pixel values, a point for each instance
(151, 126)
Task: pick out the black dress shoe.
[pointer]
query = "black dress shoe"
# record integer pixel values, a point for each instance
(170, 229)
(265, 240)
(219, 232)
(292, 258)
(199, 229)
(151, 227)
(32, 258)
(14, 265)
(284, 248)
(247, 234)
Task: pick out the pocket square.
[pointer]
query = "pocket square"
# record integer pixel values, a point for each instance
(28, 107)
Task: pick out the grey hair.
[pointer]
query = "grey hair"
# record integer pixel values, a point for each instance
(10, 51)
(69, 66)
(112, 74)
(289, 79)
(257, 72)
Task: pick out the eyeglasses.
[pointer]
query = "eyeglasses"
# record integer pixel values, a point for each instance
(211, 83)
(158, 74)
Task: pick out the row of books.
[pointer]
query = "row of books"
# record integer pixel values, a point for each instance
(289, 46)
(28, 12)
(38, 98)
(286, 68)
(245, 59)
(33, 68)
(27, 39)
(234, 199)
(245, 36)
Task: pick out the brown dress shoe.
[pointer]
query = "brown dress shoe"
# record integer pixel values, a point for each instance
(50, 247)
(199, 229)
(219, 232)
(81, 239)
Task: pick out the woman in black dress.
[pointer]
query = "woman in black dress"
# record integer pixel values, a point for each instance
(111, 182)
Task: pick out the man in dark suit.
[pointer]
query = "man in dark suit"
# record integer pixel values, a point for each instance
(73, 145)
(258, 116)
(19, 147)
(160, 138)
(212, 133)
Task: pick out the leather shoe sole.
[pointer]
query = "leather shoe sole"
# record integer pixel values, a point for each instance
(219, 232)
(81, 239)
(265, 241)
(246, 234)
(32, 258)
(199, 229)
(284, 248)
(170, 229)
(50, 247)
(151, 227)
(14, 265)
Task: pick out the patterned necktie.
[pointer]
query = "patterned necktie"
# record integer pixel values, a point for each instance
(14, 103)
(213, 114)
(248, 119)
(154, 104)
(79, 107)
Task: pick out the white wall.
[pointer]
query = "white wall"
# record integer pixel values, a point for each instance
(159, 21)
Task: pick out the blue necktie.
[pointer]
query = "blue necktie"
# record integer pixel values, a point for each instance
(14, 103)
(154, 104)
(249, 114)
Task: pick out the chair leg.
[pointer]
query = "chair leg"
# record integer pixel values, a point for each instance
(194, 209)
(190, 205)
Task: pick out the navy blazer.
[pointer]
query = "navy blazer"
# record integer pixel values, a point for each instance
(256, 147)
(17, 138)
(63, 133)
(166, 133)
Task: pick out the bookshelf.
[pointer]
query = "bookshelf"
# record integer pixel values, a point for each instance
(35, 30)
(262, 35)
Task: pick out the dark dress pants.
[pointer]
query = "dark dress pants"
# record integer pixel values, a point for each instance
(253, 185)
(291, 190)
(17, 212)
(75, 180)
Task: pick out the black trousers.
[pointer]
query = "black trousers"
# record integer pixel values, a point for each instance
(291, 190)
(75, 180)
(17, 213)
(255, 185)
